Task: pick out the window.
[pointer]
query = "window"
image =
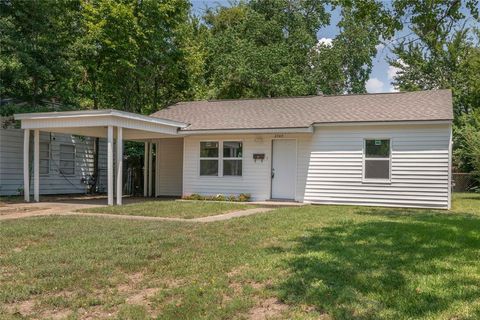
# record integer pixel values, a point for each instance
(44, 158)
(232, 158)
(67, 159)
(377, 159)
(209, 158)
(228, 162)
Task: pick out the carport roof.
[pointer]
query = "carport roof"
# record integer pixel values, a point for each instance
(99, 113)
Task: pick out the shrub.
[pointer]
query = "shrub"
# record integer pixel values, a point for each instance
(219, 197)
(244, 197)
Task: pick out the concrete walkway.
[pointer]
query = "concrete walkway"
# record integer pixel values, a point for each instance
(26, 210)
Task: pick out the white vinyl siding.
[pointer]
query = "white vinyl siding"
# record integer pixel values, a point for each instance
(419, 166)
(11, 163)
(256, 175)
(168, 179)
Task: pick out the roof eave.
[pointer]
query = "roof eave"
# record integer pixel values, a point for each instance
(98, 113)
(382, 122)
(308, 129)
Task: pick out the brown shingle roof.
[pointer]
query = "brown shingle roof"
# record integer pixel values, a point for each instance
(299, 112)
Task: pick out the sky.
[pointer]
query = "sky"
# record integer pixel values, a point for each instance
(382, 74)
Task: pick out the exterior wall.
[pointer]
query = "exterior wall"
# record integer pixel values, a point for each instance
(419, 166)
(11, 163)
(169, 167)
(256, 178)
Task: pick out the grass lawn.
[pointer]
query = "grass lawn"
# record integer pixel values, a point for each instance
(173, 209)
(327, 262)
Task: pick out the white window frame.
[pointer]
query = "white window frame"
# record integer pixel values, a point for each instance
(209, 158)
(220, 158)
(74, 159)
(46, 159)
(232, 158)
(364, 158)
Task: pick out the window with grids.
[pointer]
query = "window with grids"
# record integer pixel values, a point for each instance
(44, 158)
(221, 158)
(209, 158)
(232, 158)
(67, 159)
(377, 159)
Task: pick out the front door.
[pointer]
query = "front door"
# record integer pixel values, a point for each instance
(284, 163)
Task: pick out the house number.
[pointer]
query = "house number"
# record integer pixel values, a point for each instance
(279, 136)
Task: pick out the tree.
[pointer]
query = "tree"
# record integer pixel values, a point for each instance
(260, 48)
(129, 54)
(440, 51)
(467, 144)
(344, 66)
(36, 57)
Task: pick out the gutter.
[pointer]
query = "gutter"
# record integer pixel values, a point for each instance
(247, 130)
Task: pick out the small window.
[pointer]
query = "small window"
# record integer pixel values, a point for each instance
(44, 158)
(232, 158)
(67, 159)
(209, 158)
(377, 159)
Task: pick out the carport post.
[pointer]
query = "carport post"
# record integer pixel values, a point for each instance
(36, 165)
(145, 171)
(150, 169)
(110, 164)
(26, 167)
(119, 165)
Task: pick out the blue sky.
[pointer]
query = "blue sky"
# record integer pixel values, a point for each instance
(382, 73)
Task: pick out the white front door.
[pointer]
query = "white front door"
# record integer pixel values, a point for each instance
(284, 168)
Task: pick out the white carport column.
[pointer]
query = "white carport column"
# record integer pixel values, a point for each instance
(110, 164)
(36, 165)
(150, 169)
(145, 170)
(119, 165)
(26, 165)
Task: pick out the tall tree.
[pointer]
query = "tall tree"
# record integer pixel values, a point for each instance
(36, 57)
(345, 64)
(440, 49)
(129, 54)
(260, 48)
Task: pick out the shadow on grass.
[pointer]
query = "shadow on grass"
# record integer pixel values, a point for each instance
(415, 265)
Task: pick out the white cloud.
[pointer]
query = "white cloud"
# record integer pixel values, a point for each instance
(393, 89)
(392, 72)
(325, 41)
(374, 85)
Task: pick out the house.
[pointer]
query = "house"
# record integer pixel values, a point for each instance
(390, 149)
(65, 161)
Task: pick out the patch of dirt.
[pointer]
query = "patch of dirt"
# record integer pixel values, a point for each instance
(56, 314)
(142, 297)
(95, 313)
(237, 271)
(12, 210)
(22, 308)
(139, 296)
(267, 309)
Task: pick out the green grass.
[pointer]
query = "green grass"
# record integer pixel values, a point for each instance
(172, 209)
(328, 262)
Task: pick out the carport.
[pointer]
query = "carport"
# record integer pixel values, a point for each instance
(111, 124)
